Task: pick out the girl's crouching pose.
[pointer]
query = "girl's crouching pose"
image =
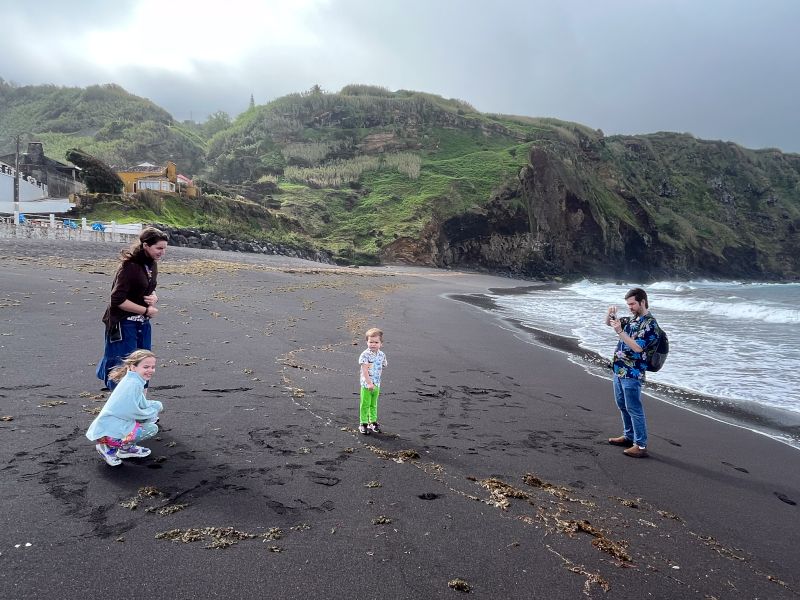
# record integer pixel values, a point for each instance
(128, 417)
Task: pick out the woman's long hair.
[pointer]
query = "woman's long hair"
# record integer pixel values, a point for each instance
(149, 236)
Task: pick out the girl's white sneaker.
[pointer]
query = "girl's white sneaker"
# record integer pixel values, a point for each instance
(108, 454)
(133, 452)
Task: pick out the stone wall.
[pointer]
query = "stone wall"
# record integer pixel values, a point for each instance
(192, 238)
(9, 230)
(177, 237)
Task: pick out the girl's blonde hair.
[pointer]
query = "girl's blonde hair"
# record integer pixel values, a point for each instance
(133, 359)
(373, 332)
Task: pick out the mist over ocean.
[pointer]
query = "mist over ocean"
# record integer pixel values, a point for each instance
(735, 343)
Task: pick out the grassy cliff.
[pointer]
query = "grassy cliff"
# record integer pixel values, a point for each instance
(372, 173)
(103, 120)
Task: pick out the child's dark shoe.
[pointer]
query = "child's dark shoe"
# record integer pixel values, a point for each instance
(374, 427)
(363, 429)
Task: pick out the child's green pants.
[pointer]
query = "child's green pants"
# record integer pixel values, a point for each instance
(369, 404)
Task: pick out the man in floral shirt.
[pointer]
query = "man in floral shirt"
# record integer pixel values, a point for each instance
(638, 335)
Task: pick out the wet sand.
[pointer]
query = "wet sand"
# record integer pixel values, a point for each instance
(493, 470)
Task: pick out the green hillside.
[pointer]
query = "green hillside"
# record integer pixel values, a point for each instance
(103, 120)
(364, 166)
(377, 175)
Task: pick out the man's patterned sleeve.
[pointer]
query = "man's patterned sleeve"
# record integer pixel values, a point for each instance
(650, 336)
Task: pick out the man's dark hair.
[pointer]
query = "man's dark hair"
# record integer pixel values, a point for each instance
(639, 295)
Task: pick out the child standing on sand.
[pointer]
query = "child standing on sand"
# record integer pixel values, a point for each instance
(128, 417)
(372, 361)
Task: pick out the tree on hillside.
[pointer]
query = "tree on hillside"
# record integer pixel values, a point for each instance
(98, 176)
(215, 123)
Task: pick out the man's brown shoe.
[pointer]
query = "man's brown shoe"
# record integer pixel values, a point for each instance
(620, 441)
(636, 452)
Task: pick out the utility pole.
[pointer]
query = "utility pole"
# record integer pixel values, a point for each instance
(16, 182)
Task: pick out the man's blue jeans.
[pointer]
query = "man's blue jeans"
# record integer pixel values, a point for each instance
(628, 394)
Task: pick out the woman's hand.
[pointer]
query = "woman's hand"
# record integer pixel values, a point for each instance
(151, 299)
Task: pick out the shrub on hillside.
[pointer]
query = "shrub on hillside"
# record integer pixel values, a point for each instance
(98, 176)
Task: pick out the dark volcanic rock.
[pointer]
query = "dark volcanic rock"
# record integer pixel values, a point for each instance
(204, 239)
(571, 215)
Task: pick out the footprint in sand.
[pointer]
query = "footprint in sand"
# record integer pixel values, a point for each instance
(673, 442)
(741, 469)
(785, 498)
(458, 426)
(322, 479)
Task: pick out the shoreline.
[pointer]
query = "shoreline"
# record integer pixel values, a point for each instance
(778, 424)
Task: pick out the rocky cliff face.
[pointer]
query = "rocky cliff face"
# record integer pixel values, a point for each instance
(628, 209)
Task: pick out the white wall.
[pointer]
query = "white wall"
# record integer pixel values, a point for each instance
(38, 207)
(27, 190)
(9, 230)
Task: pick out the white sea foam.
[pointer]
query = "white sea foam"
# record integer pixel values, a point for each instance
(713, 299)
(733, 340)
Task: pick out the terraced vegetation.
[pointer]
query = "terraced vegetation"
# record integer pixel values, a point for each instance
(355, 171)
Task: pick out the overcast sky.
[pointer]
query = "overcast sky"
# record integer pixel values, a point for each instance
(719, 69)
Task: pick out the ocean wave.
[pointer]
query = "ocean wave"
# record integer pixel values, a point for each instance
(673, 286)
(720, 333)
(688, 297)
(740, 311)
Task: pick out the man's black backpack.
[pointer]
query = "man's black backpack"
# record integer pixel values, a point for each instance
(658, 356)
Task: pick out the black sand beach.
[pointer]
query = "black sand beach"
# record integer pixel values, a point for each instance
(493, 473)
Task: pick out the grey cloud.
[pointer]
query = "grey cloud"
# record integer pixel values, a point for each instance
(720, 69)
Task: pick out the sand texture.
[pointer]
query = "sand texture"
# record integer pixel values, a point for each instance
(492, 476)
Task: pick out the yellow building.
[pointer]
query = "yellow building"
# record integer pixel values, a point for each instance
(147, 176)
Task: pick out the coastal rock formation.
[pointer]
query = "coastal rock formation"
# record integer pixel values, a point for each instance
(192, 238)
(626, 208)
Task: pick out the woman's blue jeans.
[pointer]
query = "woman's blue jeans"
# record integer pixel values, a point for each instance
(136, 335)
(628, 394)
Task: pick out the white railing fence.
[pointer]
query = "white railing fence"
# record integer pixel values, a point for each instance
(50, 226)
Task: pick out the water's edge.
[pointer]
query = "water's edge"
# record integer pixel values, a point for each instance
(781, 425)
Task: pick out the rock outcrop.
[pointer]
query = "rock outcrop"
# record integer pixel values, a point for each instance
(588, 210)
(192, 238)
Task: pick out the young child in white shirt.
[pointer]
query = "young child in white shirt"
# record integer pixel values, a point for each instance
(372, 362)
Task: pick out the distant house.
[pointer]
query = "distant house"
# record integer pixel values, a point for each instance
(54, 178)
(147, 176)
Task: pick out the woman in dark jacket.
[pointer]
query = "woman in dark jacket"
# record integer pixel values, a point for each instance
(133, 301)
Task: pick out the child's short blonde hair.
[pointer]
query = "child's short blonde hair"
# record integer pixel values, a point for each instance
(133, 359)
(373, 332)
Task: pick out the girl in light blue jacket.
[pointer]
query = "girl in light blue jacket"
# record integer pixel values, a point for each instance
(128, 417)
